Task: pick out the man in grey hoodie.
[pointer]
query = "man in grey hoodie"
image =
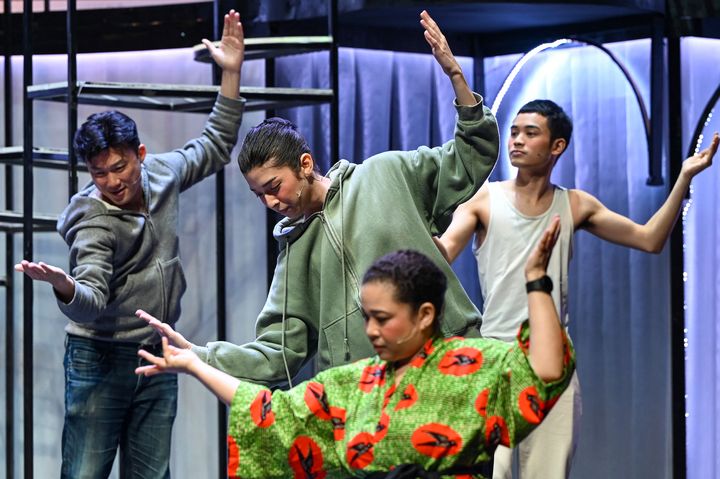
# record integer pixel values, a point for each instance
(122, 234)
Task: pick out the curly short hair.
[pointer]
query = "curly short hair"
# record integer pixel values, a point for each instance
(416, 278)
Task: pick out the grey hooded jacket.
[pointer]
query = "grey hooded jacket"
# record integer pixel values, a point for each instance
(124, 260)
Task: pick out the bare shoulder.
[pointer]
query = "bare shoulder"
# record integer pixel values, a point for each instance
(582, 205)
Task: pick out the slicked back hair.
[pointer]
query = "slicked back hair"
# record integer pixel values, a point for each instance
(274, 139)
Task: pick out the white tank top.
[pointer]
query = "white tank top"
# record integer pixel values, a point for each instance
(509, 239)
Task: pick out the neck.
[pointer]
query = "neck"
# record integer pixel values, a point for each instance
(317, 192)
(533, 186)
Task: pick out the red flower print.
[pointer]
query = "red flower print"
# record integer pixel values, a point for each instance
(461, 361)
(233, 458)
(261, 409)
(360, 451)
(381, 428)
(436, 440)
(372, 376)
(531, 406)
(316, 400)
(337, 417)
(481, 402)
(496, 432)
(420, 357)
(305, 459)
(408, 398)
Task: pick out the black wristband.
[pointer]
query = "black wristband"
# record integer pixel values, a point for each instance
(543, 284)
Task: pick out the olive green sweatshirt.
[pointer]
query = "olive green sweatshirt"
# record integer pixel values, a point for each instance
(393, 200)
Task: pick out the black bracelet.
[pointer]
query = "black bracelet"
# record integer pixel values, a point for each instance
(543, 284)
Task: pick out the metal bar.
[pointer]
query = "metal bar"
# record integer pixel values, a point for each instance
(9, 256)
(72, 102)
(221, 321)
(677, 287)
(334, 84)
(27, 243)
(657, 72)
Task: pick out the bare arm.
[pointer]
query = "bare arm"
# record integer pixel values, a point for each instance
(651, 236)
(444, 56)
(465, 222)
(546, 336)
(176, 360)
(230, 54)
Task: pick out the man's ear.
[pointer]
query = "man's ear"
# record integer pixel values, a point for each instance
(141, 152)
(558, 146)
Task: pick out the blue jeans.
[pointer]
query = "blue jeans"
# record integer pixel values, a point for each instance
(107, 405)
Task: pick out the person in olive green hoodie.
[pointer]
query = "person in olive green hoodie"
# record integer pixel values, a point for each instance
(338, 224)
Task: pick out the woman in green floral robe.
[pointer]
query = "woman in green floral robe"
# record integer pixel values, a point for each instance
(435, 403)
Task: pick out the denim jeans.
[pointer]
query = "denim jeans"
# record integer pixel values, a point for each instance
(107, 405)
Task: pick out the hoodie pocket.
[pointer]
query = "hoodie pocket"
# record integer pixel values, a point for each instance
(173, 284)
(332, 347)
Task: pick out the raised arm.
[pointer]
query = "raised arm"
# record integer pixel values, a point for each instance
(444, 56)
(651, 237)
(230, 54)
(546, 336)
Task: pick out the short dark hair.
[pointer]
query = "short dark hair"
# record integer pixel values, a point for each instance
(274, 139)
(107, 129)
(558, 121)
(416, 278)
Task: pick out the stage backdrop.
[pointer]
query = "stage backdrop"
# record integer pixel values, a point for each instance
(619, 298)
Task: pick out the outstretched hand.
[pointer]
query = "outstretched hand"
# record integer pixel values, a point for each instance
(231, 52)
(63, 284)
(173, 360)
(701, 160)
(165, 330)
(536, 264)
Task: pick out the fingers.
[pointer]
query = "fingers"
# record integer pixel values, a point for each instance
(147, 370)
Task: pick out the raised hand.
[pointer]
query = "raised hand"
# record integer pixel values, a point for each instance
(231, 52)
(536, 264)
(440, 48)
(701, 160)
(444, 56)
(165, 330)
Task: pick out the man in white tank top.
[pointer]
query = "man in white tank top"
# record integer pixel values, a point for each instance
(508, 218)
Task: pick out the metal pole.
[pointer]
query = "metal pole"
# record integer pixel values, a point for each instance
(221, 322)
(9, 257)
(657, 68)
(677, 287)
(72, 102)
(334, 84)
(27, 242)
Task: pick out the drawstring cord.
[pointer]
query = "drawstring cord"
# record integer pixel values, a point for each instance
(284, 314)
(342, 260)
